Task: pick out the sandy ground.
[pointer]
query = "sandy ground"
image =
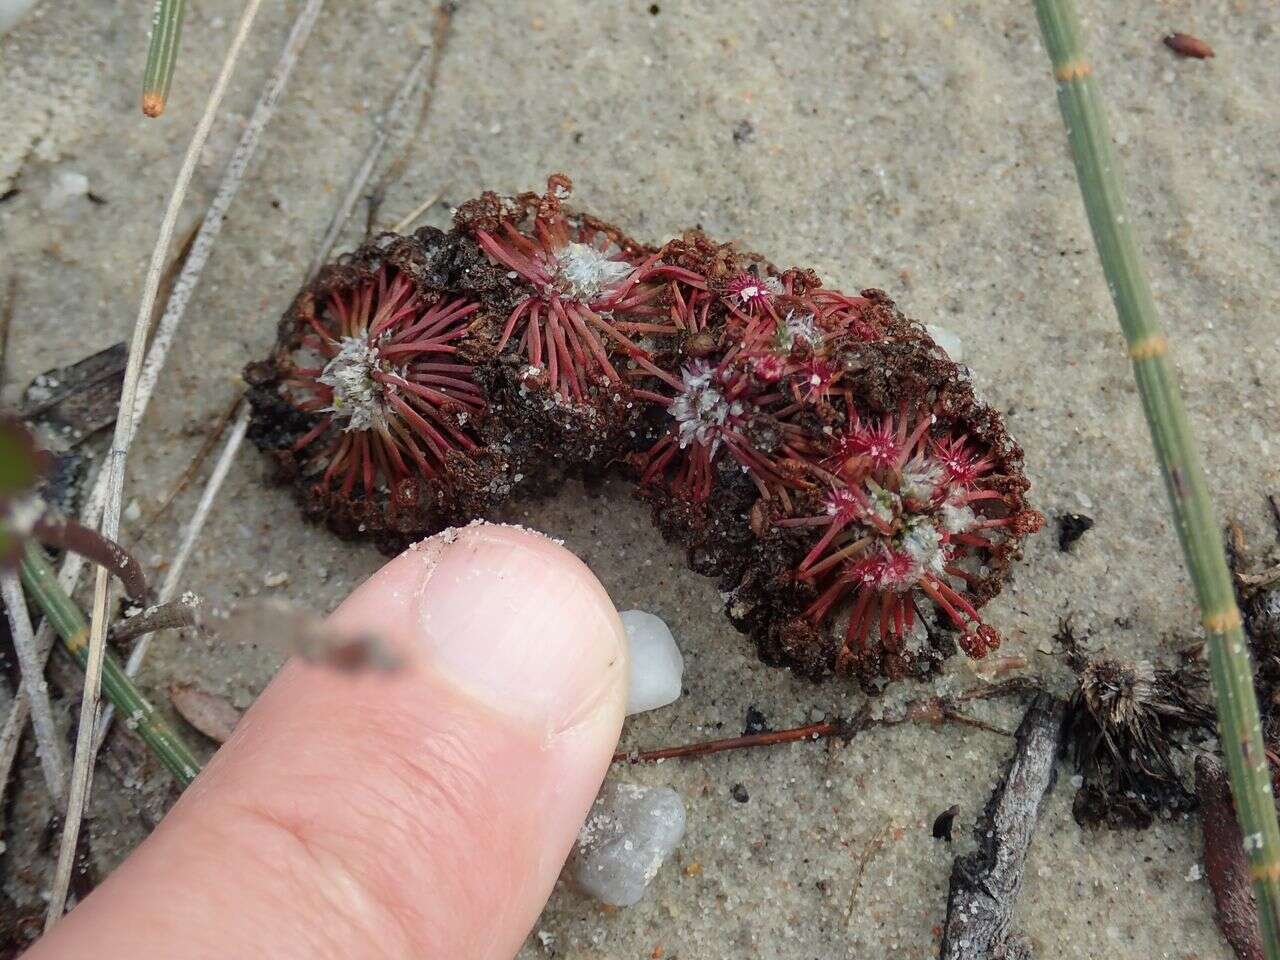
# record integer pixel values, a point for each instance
(912, 146)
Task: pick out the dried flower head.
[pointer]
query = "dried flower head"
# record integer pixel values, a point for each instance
(1126, 725)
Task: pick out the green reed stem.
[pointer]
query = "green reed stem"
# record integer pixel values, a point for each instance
(162, 55)
(72, 628)
(1096, 169)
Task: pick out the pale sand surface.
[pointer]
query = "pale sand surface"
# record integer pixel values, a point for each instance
(911, 146)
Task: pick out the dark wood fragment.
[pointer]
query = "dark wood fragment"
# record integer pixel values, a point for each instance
(985, 883)
(76, 401)
(1225, 865)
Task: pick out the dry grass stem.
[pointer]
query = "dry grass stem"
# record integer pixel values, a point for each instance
(49, 748)
(114, 465)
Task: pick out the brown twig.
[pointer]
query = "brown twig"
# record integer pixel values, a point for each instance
(810, 731)
(183, 612)
(985, 883)
(66, 533)
(931, 710)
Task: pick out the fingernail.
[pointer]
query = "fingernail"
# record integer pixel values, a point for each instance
(518, 622)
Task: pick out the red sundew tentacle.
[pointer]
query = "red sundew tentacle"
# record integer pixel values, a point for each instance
(844, 553)
(421, 347)
(666, 271)
(577, 318)
(859, 621)
(520, 310)
(632, 348)
(393, 464)
(972, 540)
(341, 454)
(406, 442)
(576, 334)
(367, 456)
(650, 396)
(432, 366)
(931, 588)
(957, 599)
(818, 521)
(380, 444)
(535, 336)
(451, 385)
(909, 447)
(567, 365)
(520, 263)
(962, 574)
(818, 609)
(614, 297)
(971, 496)
(834, 526)
(427, 434)
(437, 320)
(886, 617)
(311, 435)
(436, 412)
(326, 338)
(659, 456)
(427, 393)
(660, 329)
(645, 364)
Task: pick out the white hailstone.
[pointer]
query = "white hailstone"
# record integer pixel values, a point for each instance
(585, 271)
(700, 409)
(355, 394)
(948, 340)
(656, 664)
(628, 834)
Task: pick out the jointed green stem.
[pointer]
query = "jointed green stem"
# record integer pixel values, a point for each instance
(162, 55)
(69, 622)
(1197, 527)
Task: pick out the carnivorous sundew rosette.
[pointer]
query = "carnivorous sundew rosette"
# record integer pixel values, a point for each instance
(813, 450)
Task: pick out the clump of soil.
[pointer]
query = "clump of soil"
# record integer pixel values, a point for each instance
(814, 451)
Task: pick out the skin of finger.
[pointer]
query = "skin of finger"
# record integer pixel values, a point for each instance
(372, 816)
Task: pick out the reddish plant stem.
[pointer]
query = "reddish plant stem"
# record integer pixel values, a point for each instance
(931, 710)
(65, 533)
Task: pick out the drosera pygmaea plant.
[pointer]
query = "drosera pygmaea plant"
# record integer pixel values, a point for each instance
(813, 450)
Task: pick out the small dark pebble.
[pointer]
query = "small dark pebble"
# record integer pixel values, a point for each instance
(757, 722)
(654, 9)
(9, 194)
(96, 199)
(1186, 45)
(743, 131)
(739, 793)
(1071, 527)
(942, 823)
